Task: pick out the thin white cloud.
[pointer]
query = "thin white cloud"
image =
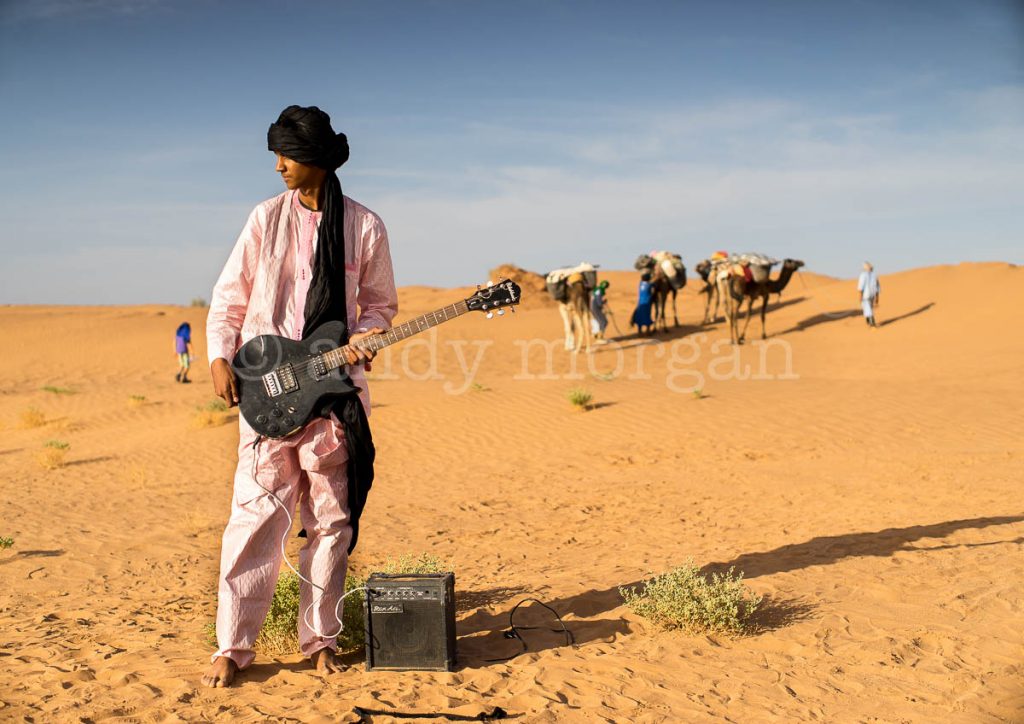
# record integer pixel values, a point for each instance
(21, 10)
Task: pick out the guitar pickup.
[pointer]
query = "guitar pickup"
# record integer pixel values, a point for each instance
(272, 384)
(280, 380)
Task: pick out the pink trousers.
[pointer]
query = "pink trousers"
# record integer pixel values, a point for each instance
(307, 470)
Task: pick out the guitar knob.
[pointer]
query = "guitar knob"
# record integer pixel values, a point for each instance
(275, 412)
(274, 427)
(288, 422)
(261, 419)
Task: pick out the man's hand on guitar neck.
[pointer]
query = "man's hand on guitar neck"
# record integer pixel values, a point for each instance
(224, 384)
(361, 355)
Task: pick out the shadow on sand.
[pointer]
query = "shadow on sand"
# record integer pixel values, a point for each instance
(914, 313)
(481, 634)
(33, 554)
(823, 318)
(826, 550)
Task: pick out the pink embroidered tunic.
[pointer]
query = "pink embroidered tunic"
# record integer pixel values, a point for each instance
(262, 289)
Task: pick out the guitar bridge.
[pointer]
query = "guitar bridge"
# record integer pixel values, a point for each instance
(280, 381)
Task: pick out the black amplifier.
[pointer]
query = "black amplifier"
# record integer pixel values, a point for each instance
(410, 621)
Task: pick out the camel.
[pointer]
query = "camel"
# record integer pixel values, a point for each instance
(705, 269)
(575, 309)
(662, 287)
(734, 288)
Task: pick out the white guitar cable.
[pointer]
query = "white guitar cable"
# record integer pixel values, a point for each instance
(284, 538)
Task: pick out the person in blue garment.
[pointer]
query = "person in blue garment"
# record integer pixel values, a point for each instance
(598, 319)
(642, 314)
(183, 349)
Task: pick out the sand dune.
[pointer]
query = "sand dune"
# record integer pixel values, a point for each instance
(866, 481)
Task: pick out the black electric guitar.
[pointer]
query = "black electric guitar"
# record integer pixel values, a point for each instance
(282, 382)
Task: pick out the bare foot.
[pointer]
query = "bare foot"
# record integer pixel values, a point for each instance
(221, 673)
(326, 662)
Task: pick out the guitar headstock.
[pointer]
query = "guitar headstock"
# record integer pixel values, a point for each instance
(505, 293)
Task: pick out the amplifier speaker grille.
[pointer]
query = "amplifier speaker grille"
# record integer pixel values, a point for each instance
(410, 621)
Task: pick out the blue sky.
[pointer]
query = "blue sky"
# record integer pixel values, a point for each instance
(537, 133)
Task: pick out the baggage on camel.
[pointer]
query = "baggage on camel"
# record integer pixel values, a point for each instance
(558, 280)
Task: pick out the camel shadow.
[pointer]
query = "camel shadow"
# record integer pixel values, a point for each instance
(482, 634)
(635, 339)
(772, 306)
(826, 550)
(823, 318)
(919, 310)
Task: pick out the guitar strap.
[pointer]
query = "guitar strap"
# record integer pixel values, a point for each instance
(305, 135)
(326, 301)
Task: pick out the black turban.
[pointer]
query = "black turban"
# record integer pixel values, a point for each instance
(305, 135)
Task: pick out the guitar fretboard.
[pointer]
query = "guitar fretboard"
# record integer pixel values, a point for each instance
(337, 357)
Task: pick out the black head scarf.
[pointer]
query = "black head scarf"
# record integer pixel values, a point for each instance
(305, 135)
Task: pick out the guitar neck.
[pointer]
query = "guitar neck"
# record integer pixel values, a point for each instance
(337, 357)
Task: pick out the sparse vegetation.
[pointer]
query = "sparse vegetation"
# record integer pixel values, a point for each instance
(197, 302)
(211, 414)
(698, 393)
(31, 417)
(279, 635)
(58, 390)
(6, 543)
(136, 400)
(580, 398)
(477, 387)
(686, 599)
(604, 376)
(53, 453)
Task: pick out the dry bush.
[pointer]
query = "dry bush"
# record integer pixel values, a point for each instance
(6, 543)
(52, 458)
(136, 401)
(31, 417)
(686, 599)
(212, 414)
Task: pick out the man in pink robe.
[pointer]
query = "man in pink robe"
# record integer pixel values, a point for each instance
(263, 290)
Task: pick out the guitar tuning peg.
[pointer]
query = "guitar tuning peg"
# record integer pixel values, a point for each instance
(490, 283)
(490, 314)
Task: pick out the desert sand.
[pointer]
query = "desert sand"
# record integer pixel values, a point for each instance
(867, 482)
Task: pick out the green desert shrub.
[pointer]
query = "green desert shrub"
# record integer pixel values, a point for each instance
(6, 543)
(686, 599)
(580, 397)
(279, 635)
